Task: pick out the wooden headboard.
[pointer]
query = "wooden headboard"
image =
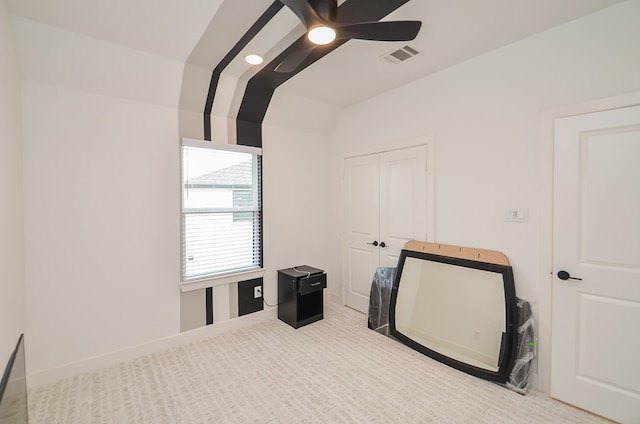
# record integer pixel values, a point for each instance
(480, 255)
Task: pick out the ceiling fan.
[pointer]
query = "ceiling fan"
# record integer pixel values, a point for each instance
(319, 17)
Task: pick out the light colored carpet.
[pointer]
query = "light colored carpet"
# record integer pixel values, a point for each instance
(332, 371)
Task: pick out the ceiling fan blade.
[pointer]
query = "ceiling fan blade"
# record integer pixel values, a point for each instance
(326, 9)
(304, 11)
(380, 31)
(295, 58)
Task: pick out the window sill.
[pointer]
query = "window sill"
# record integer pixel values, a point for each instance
(186, 286)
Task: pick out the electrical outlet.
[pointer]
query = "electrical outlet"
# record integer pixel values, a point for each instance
(257, 292)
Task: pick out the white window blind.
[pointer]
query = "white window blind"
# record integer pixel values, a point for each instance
(221, 209)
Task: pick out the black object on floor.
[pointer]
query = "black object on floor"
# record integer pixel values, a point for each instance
(300, 296)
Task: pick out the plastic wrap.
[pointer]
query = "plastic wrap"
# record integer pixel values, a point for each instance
(378, 320)
(379, 300)
(519, 377)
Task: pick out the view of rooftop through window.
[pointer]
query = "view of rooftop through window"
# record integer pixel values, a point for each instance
(221, 212)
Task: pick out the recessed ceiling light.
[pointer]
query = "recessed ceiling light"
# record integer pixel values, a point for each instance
(321, 35)
(253, 59)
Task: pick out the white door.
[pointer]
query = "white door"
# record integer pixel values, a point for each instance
(386, 206)
(595, 351)
(361, 199)
(403, 201)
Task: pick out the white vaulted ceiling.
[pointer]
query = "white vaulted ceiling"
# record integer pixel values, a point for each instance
(168, 28)
(201, 32)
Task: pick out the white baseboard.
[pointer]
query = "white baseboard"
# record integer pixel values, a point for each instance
(91, 364)
(534, 385)
(333, 297)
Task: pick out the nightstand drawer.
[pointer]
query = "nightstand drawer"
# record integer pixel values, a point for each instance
(312, 284)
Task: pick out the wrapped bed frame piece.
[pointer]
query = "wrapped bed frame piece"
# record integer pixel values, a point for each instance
(519, 377)
(379, 320)
(379, 300)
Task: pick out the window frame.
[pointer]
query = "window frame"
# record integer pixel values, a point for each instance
(205, 281)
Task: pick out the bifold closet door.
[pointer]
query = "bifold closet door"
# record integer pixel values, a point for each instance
(403, 200)
(385, 198)
(362, 215)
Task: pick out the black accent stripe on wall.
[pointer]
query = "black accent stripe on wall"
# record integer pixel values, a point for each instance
(209, 305)
(261, 86)
(213, 85)
(241, 44)
(247, 302)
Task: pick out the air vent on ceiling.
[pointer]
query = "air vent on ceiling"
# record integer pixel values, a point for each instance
(400, 55)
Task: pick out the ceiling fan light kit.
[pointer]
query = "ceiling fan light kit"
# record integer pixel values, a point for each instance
(319, 17)
(321, 35)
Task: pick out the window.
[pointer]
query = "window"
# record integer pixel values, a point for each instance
(221, 209)
(242, 197)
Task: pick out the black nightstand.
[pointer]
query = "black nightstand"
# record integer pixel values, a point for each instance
(300, 300)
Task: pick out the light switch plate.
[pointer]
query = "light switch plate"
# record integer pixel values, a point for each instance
(516, 215)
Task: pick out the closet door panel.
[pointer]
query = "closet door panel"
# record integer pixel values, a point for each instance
(385, 199)
(403, 200)
(361, 255)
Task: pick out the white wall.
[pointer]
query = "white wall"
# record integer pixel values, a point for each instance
(12, 293)
(101, 195)
(295, 196)
(102, 223)
(486, 115)
(58, 57)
